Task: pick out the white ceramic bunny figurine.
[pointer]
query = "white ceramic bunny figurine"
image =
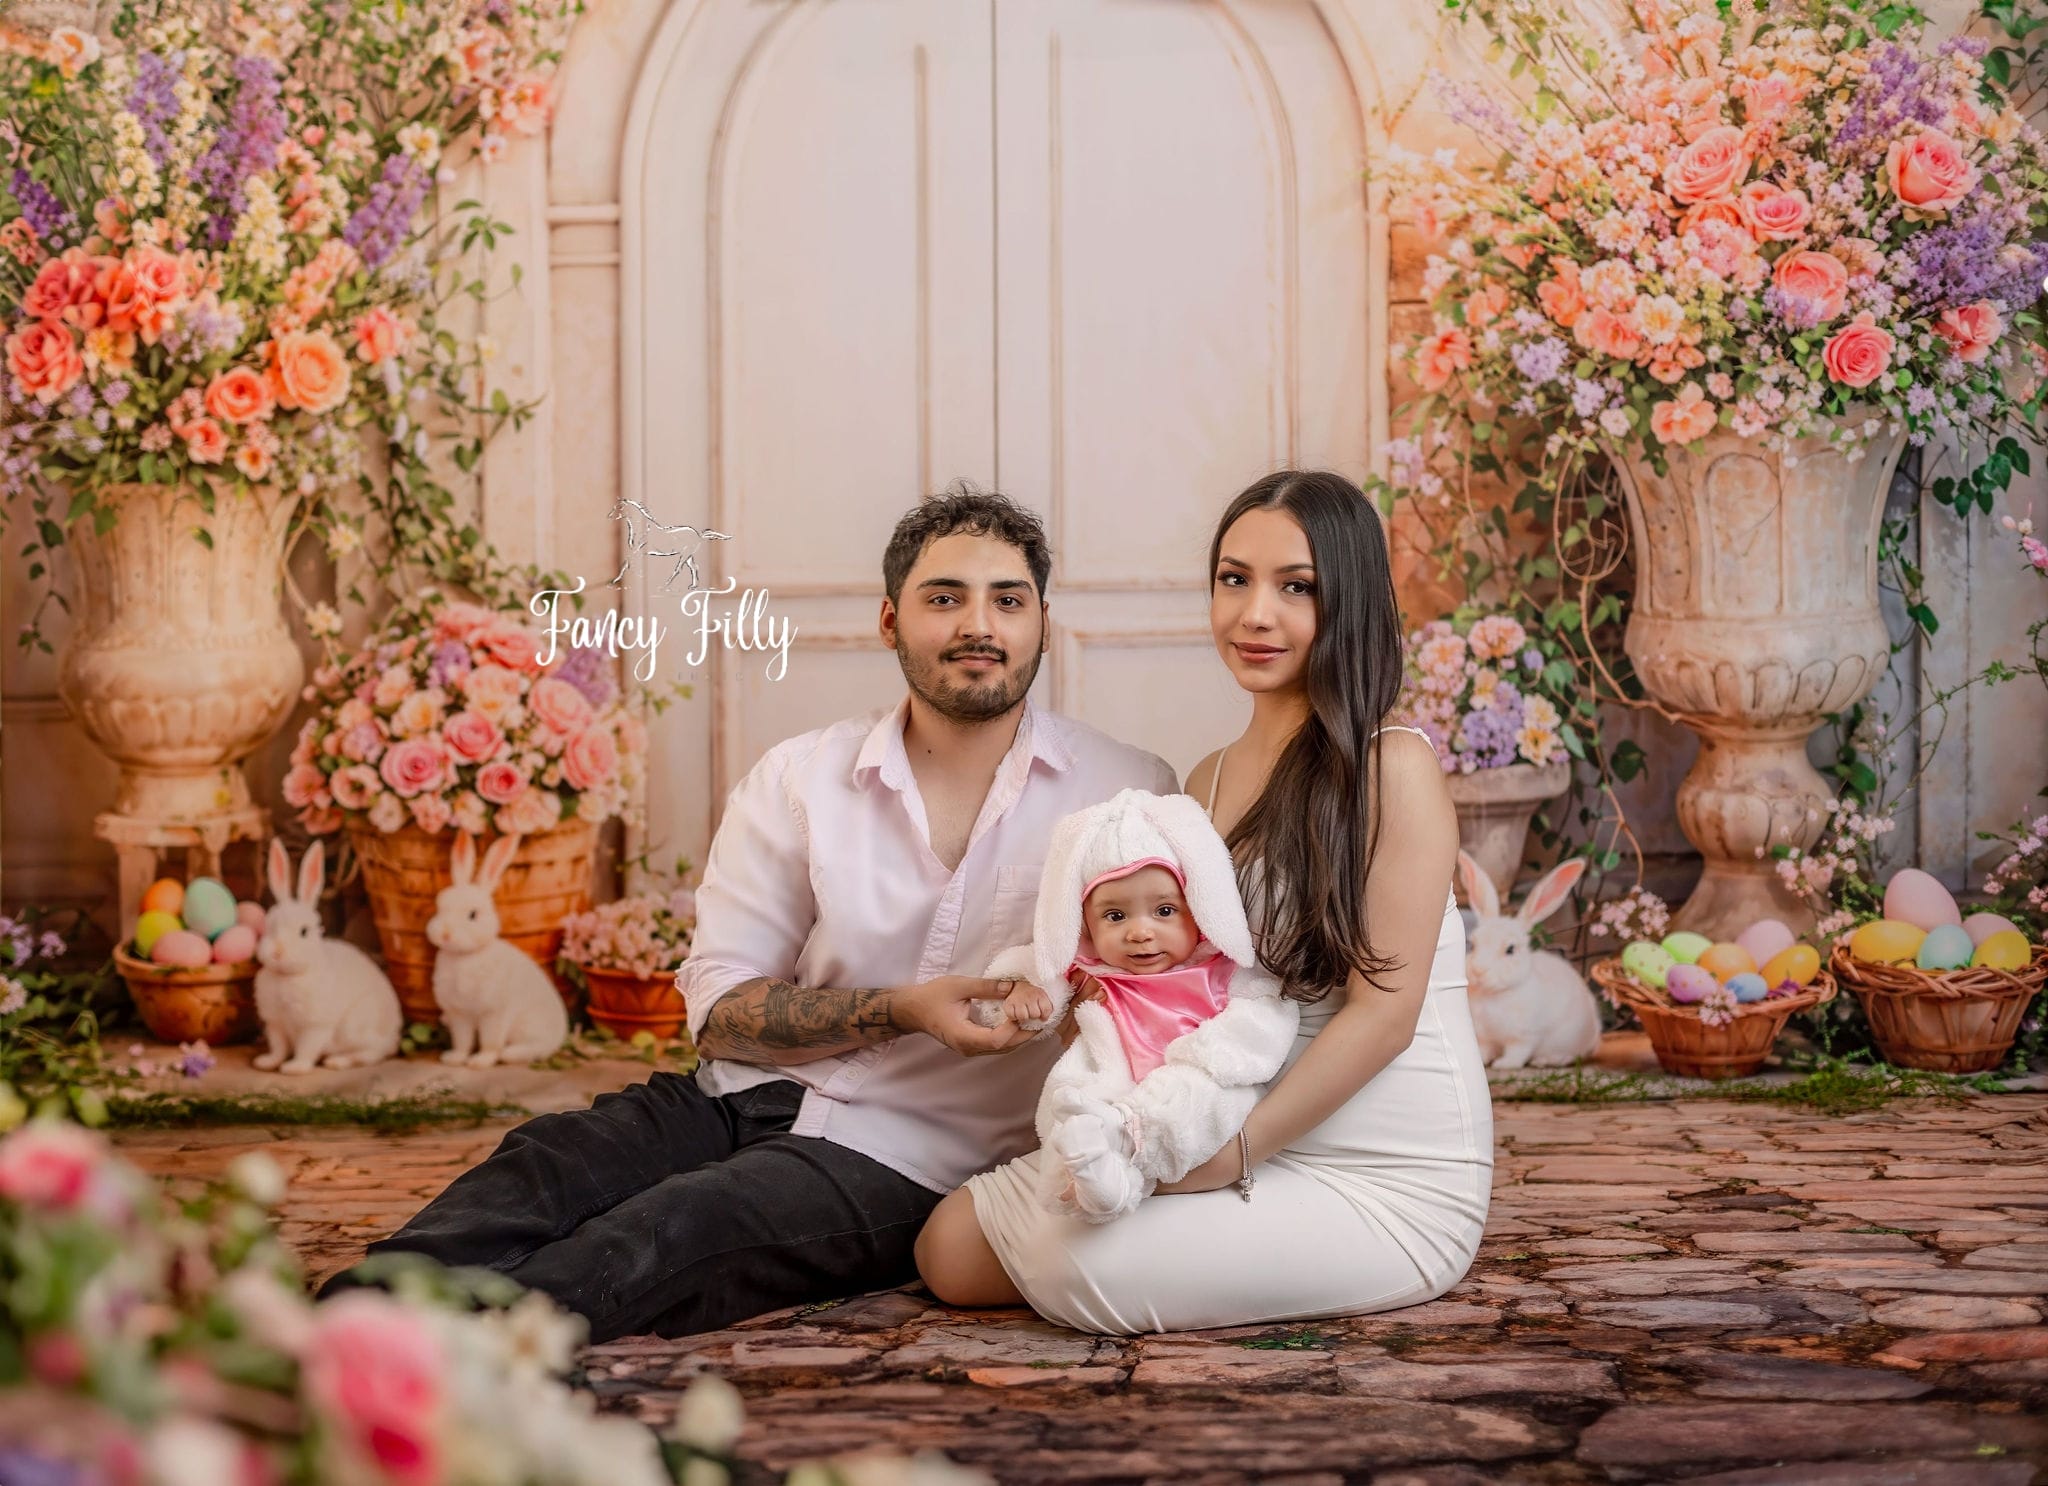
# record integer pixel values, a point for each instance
(499, 1005)
(320, 999)
(1529, 1006)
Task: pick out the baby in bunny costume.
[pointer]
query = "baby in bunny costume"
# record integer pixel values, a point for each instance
(1140, 894)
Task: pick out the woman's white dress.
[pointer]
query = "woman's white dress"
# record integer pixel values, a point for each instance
(1379, 1206)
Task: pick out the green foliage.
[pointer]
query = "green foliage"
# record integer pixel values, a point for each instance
(58, 989)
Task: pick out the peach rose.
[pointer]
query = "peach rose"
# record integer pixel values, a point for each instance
(1859, 353)
(1816, 281)
(492, 690)
(205, 442)
(414, 765)
(534, 811)
(1486, 306)
(471, 737)
(45, 358)
(1775, 214)
(354, 786)
(1770, 96)
(524, 107)
(1712, 165)
(1928, 171)
(59, 285)
(559, 705)
(1971, 329)
(1720, 209)
(1605, 333)
(380, 335)
(1562, 299)
(1684, 418)
(239, 395)
(500, 782)
(308, 371)
(590, 759)
(253, 460)
(1438, 358)
(430, 812)
(160, 274)
(303, 785)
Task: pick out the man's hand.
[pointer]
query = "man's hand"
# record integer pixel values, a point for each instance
(938, 1008)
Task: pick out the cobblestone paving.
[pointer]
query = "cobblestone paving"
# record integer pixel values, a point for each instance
(1701, 1291)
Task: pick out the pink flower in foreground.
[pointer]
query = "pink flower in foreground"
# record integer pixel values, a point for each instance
(374, 1371)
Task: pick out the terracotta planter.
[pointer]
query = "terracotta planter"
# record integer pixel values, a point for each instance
(1494, 810)
(405, 870)
(180, 664)
(216, 1003)
(1755, 614)
(624, 1003)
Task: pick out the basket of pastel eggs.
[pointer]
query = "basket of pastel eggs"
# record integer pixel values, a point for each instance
(1941, 991)
(190, 961)
(1715, 1010)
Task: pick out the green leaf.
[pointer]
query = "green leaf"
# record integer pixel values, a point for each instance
(1628, 760)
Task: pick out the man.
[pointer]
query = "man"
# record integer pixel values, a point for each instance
(860, 879)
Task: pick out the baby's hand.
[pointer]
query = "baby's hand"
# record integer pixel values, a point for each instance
(1027, 1004)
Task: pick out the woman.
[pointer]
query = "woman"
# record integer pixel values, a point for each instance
(1372, 1151)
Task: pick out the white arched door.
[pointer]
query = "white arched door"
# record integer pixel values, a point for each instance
(1109, 256)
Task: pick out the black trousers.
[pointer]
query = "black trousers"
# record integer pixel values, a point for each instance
(665, 1209)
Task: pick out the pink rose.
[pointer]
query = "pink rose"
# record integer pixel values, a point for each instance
(363, 742)
(1605, 333)
(431, 812)
(1774, 214)
(1859, 353)
(472, 737)
(511, 645)
(62, 1167)
(414, 765)
(1712, 165)
(1928, 171)
(590, 759)
(374, 1372)
(303, 785)
(463, 622)
(1818, 281)
(354, 786)
(1971, 329)
(493, 690)
(559, 706)
(501, 782)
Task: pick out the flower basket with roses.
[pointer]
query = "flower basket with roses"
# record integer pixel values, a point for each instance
(627, 952)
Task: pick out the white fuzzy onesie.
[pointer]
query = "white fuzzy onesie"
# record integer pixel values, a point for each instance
(1110, 1139)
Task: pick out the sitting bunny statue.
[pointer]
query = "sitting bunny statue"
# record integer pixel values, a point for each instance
(1529, 1006)
(320, 999)
(499, 1005)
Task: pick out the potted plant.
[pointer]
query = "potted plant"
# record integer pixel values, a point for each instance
(627, 953)
(447, 721)
(1495, 705)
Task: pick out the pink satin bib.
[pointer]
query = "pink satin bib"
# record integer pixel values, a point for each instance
(1150, 1011)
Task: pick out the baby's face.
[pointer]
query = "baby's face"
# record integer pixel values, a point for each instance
(1141, 924)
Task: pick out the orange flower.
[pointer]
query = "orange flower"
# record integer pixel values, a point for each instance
(1438, 358)
(239, 395)
(45, 358)
(1684, 418)
(1971, 329)
(1605, 333)
(308, 371)
(380, 334)
(252, 461)
(205, 443)
(60, 284)
(1562, 298)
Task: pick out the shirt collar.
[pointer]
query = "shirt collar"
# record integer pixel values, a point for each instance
(1039, 732)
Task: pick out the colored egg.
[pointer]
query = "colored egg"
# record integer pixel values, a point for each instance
(1725, 960)
(2004, 951)
(235, 943)
(1913, 897)
(1799, 964)
(1647, 962)
(151, 927)
(1689, 983)
(1886, 941)
(209, 906)
(1981, 926)
(165, 895)
(1686, 947)
(181, 947)
(252, 915)
(1946, 947)
(1764, 938)
(1749, 986)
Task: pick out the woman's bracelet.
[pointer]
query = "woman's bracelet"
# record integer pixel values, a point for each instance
(1244, 1151)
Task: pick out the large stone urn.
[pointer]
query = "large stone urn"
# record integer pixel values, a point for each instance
(1756, 614)
(180, 663)
(1494, 810)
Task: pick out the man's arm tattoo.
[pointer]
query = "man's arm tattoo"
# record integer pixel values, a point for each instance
(772, 1021)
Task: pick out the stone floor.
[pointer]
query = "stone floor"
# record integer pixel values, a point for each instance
(1704, 1291)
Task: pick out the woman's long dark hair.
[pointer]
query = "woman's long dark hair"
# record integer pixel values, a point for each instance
(1305, 845)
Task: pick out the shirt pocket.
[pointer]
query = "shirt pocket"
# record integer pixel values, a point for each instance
(1012, 908)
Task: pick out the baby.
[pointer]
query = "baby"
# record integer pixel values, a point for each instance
(1139, 895)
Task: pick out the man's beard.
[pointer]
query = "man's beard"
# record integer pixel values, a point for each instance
(976, 701)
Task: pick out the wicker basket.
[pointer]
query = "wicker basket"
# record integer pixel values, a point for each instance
(1945, 1021)
(405, 870)
(1689, 1047)
(181, 1003)
(624, 1003)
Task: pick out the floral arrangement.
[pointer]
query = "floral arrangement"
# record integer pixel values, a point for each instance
(1477, 685)
(449, 717)
(647, 934)
(1763, 217)
(217, 266)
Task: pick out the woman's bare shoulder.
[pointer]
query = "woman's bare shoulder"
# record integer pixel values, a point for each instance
(1411, 778)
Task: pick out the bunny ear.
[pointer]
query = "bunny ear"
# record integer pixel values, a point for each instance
(462, 865)
(280, 872)
(1551, 889)
(497, 859)
(1479, 889)
(312, 872)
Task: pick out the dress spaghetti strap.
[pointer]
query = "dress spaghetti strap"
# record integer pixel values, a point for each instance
(1216, 779)
(1402, 727)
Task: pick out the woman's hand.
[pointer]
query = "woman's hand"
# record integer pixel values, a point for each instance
(1221, 1170)
(1086, 988)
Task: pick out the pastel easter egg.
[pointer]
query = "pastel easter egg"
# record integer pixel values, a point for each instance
(1726, 960)
(165, 895)
(235, 943)
(1886, 941)
(1981, 926)
(1689, 983)
(209, 906)
(1946, 947)
(1686, 947)
(1913, 897)
(1749, 986)
(250, 915)
(1799, 964)
(181, 947)
(1764, 938)
(2004, 951)
(152, 926)
(1647, 962)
